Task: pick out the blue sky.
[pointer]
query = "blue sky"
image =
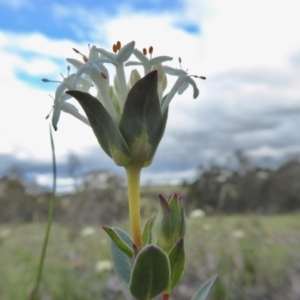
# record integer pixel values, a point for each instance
(249, 51)
(54, 18)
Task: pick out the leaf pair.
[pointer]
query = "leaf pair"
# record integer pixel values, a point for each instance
(133, 138)
(152, 272)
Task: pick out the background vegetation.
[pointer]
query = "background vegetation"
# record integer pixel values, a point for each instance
(247, 231)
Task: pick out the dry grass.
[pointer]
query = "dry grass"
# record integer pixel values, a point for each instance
(257, 257)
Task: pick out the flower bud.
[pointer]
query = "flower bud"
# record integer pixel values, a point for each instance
(170, 222)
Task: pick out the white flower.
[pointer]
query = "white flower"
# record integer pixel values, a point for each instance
(128, 116)
(123, 54)
(94, 68)
(183, 81)
(88, 231)
(60, 98)
(103, 265)
(197, 213)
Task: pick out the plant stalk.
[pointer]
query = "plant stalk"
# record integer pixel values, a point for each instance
(133, 173)
(34, 295)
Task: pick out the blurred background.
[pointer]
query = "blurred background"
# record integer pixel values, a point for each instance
(233, 153)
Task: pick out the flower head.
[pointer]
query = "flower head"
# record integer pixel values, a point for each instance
(128, 117)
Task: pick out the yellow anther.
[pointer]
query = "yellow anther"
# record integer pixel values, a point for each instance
(196, 76)
(118, 45)
(115, 48)
(85, 59)
(103, 75)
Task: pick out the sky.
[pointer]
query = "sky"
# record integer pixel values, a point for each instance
(248, 50)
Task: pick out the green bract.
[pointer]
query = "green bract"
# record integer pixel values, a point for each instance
(170, 222)
(136, 137)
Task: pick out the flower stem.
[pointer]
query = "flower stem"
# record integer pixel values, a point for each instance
(133, 173)
(34, 295)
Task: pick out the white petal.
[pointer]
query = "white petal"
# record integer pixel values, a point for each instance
(107, 54)
(193, 83)
(125, 52)
(82, 70)
(71, 109)
(76, 63)
(60, 90)
(104, 60)
(55, 117)
(133, 63)
(93, 53)
(134, 77)
(183, 87)
(172, 71)
(160, 59)
(141, 57)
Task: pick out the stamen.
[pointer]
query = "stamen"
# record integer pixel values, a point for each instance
(145, 51)
(103, 75)
(68, 68)
(118, 45)
(201, 77)
(150, 49)
(49, 113)
(179, 59)
(47, 80)
(51, 108)
(85, 59)
(115, 48)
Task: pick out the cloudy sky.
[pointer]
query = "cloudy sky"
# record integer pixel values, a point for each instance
(249, 51)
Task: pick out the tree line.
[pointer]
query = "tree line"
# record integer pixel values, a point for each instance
(100, 196)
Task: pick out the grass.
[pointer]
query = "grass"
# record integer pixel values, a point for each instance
(252, 254)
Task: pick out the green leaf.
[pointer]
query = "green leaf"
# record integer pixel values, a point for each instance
(177, 261)
(204, 290)
(141, 120)
(121, 262)
(118, 241)
(147, 232)
(105, 129)
(151, 273)
(162, 129)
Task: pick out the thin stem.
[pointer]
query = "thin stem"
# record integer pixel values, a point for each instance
(133, 173)
(50, 217)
